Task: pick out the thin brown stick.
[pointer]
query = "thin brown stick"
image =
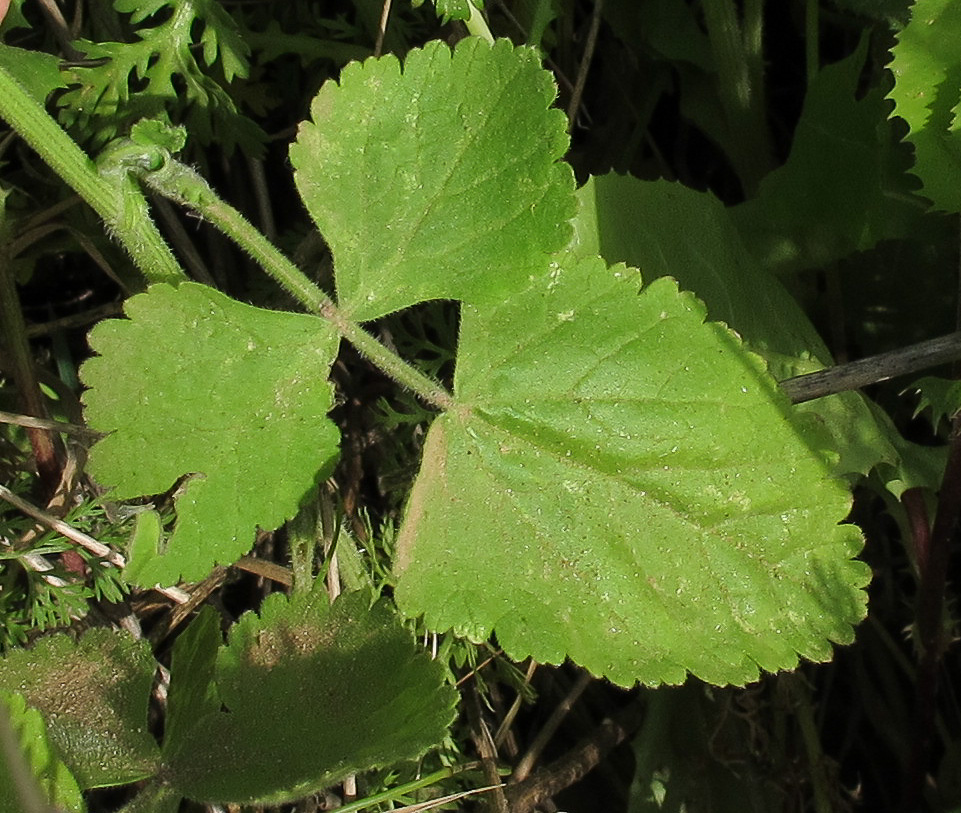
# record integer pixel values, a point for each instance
(62, 528)
(585, 65)
(537, 746)
(382, 28)
(526, 796)
(80, 538)
(486, 750)
(871, 370)
(16, 419)
(266, 569)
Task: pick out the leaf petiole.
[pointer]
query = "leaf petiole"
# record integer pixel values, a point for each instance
(183, 185)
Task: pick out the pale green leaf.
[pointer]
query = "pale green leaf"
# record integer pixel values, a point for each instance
(926, 94)
(195, 383)
(93, 695)
(667, 229)
(51, 778)
(622, 484)
(38, 72)
(449, 10)
(441, 180)
(311, 692)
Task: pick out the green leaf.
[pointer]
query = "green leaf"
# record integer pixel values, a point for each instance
(52, 778)
(843, 188)
(195, 383)
(941, 395)
(449, 10)
(311, 693)
(38, 72)
(679, 764)
(220, 35)
(170, 81)
(155, 797)
(193, 693)
(926, 94)
(441, 181)
(93, 695)
(667, 229)
(670, 230)
(622, 484)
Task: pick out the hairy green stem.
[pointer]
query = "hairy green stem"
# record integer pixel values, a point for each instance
(183, 185)
(120, 205)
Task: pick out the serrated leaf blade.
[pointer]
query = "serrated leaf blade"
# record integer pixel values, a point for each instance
(195, 383)
(621, 484)
(926, 95)
(311, 692)
(439, 181)
(93, 695)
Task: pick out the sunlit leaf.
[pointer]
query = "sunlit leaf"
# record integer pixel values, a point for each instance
(621, 484)
(194, 383)
(438, 180)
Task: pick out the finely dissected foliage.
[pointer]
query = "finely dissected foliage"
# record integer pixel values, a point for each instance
(103, 100)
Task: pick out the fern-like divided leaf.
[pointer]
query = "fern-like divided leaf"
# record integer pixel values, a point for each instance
(103, 103)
